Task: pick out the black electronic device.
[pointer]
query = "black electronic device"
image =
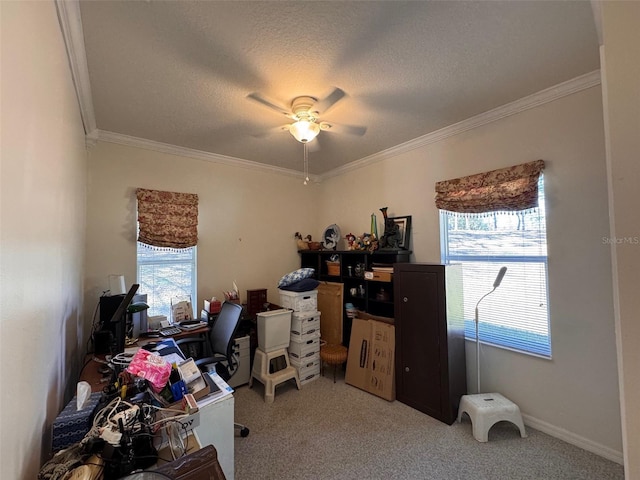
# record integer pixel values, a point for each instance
(118, 320)
(135, 321)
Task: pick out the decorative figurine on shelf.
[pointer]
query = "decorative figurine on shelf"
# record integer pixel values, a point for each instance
(302, 244)
(350, 238)
(392, 236)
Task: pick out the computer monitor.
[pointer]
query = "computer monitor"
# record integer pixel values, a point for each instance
(119, 319)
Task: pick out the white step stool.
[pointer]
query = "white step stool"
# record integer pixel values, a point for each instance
(487, 409)
(261, 362)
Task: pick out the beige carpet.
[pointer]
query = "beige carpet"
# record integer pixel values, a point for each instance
(336, 431)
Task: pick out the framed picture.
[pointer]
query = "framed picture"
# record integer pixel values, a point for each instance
(403, 225)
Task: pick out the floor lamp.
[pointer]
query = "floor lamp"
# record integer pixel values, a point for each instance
(496, 284)
(486, 409)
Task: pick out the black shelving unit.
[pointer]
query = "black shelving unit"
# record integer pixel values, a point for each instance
(372, 296)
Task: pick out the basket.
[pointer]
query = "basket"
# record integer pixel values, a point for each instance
(333, 268)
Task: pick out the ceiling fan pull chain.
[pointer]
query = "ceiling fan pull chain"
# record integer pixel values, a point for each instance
(306, 164)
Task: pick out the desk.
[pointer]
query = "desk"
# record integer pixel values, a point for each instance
(216, 428)
(216, 417)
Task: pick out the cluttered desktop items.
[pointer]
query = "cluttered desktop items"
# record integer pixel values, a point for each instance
(149, 400)
(124, 319)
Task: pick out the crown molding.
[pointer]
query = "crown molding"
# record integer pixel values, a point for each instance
(118, 138)
(71, 26)
(547, 95)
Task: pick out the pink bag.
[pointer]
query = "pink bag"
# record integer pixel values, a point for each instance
(151, 367)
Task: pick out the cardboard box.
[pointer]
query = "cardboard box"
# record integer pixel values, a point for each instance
(305, 326)
(371, 360)
(299, 301)
(300, 351)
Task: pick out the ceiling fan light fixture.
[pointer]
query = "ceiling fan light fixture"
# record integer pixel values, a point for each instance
(304, 131)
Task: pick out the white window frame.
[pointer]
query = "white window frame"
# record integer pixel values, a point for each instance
(501, 334)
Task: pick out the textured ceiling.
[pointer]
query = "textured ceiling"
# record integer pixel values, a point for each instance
(179, 72)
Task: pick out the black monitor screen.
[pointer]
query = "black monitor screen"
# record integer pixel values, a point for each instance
(119, 319)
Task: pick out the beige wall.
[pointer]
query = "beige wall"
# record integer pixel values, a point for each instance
(560, 395)
(620, 56)
(247, 219)
(42, 234)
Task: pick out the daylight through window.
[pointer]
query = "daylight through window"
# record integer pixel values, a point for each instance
(516, 315)
(165, 274)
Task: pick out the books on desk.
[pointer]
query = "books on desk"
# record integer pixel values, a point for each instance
(191, 325)
(219, 389)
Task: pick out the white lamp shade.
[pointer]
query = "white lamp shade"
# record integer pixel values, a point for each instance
(116, 285)
(304, 131)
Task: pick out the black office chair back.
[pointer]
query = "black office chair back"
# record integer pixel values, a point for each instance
(222, 333)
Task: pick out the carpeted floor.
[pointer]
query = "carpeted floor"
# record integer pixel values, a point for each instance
(335, 431)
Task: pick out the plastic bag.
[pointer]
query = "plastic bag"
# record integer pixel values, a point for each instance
(151, 367)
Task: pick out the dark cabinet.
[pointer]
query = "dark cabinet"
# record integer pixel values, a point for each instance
(430, 345)
(350, 267)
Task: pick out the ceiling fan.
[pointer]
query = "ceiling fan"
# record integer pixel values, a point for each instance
(306, 111)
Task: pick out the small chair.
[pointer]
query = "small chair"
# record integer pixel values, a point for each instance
(333, 355)
(217, 349)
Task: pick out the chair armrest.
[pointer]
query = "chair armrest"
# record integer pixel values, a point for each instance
(210, 360)
(182, 341)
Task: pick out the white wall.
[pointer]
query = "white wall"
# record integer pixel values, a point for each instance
(42, 235)
(574, 395)
(247, 219)
(620, 56)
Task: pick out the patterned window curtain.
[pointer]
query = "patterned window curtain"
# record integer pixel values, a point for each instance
(507, 189)
(167, 219)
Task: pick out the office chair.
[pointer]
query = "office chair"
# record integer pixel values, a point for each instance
(217, 348)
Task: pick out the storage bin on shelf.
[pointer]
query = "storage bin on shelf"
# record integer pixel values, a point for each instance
(299, 301)
(333, 268)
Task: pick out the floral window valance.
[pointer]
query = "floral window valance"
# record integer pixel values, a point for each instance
(506, 189)
(167, 219)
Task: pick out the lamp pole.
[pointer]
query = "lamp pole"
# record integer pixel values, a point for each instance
(496, 284)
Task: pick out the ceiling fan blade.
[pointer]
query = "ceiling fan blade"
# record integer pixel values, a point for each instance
(329, 101)
(357, 130)
(256, 97)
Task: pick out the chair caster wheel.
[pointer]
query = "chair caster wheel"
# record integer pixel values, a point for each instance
(244, 432)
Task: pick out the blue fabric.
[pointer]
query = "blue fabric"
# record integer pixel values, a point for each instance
(303, 285)
(293, 277)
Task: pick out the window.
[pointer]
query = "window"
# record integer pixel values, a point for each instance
(516, 315)
(165, 274)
